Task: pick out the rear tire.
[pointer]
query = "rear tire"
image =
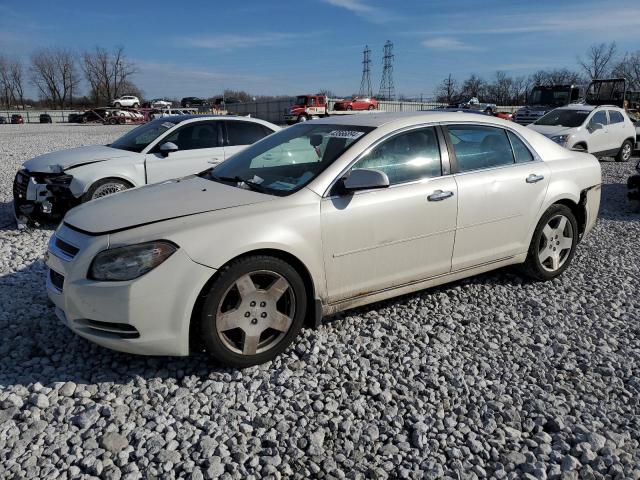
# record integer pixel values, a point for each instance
(104, 187)
(136, 105)
(553, 244)
(625, 152)
(371, 107)
(117, 105)
(349, 107)
(253, 311)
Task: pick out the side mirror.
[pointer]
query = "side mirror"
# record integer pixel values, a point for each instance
(365, 179)
(168, 147)
(596, 126)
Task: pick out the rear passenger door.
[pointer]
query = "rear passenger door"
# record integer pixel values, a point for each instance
(616, 128)
(239, 134)
(501, 187)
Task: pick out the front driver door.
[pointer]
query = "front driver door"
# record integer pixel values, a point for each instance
(377, 239)
(599, 139)
(199, 148)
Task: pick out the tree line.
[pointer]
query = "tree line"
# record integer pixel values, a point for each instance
(57, 74)
(600, 61)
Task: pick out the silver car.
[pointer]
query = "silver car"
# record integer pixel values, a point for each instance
(314, 219)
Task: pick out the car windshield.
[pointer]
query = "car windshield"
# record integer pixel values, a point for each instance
(139, 138)
(288, 160)
(301, 101)
(549, 97)
(564, 118)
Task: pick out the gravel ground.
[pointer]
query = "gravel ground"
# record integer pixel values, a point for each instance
(489, 377)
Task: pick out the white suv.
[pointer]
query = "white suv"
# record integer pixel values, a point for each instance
(126, 101)
(601, 130)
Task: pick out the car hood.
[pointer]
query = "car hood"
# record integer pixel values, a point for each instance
(159, 202)
(551, 130)
(56, 162)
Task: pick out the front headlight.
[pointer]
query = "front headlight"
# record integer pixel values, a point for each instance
(127, 263)
(560, 139)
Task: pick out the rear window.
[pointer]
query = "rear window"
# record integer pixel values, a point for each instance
(615, 117)
(245, 133)
(478, 147)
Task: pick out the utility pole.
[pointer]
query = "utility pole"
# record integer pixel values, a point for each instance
(365, 83)
(387, 88)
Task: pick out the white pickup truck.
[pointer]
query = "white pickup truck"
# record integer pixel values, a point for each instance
(48, 185)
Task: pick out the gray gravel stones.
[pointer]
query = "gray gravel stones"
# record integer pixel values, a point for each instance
(492, 376)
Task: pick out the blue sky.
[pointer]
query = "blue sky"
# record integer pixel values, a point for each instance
(289, 47)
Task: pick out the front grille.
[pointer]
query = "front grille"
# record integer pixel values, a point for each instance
(20, 184)
(57, 280)
(109, 329)
(67, 248)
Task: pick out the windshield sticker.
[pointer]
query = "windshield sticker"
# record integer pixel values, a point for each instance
(168, 125)
(280, 185)
(350, 134)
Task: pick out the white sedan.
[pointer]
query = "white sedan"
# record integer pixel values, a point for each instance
(317, 218)
(50, 184)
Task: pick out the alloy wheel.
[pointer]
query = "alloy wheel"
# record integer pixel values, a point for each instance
(107, 189)
(626, 151)
(556, 243)
(255, 312)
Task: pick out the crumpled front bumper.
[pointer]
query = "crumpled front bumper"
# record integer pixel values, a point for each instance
(35, 198)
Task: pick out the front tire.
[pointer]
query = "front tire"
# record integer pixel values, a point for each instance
(553, 244)
(104, 187)
(625, 152)
(253, 311)
(302, 118)
(117, 105)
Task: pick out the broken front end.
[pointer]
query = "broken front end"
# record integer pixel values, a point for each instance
(41, 197)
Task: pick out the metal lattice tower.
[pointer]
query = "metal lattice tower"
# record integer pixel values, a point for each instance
(365, 83)
(387, 89)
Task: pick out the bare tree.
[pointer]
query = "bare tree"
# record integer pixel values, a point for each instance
(598, 60)
(108, 74)
(16, 72)
(6, 87)
(53, 72)
(629, 68)
(474, 86)
(447, 91)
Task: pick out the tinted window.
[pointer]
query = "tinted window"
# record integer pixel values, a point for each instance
(563, 117)
(479, 147)
(194, 136)
(615, 117)
(599, 117)
(406, 157)
(245, 133)
(520, 150)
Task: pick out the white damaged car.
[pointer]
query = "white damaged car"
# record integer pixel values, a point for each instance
(317, 218)
(48, 185)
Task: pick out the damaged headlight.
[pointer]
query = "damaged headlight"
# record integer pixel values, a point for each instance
(127, 263)
(59, 180)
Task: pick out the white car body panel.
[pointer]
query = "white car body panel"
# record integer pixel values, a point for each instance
(366, 247)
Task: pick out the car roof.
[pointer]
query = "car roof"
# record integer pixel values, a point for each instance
(189, 118)
(382, 118)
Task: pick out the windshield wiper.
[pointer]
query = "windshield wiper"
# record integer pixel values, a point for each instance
(238, 179)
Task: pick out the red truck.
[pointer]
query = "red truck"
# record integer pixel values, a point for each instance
(306, 107)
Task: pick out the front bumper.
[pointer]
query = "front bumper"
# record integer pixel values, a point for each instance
(36, 197)
(150, 315)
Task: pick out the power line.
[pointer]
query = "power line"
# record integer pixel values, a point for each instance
(387, 88)
(365, 83)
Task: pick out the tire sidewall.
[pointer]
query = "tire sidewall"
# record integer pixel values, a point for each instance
(228, 276)
(620, 157)
(533, 261)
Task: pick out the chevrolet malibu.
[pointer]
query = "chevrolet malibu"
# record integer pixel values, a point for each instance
(315, 219)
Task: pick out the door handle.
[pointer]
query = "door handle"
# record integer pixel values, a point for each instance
(439, 195)
(533, 178)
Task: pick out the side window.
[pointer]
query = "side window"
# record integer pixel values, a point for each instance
(599, 117)
(312, 102)
(406, 157)
(479, 147)
(520, 150)
(615, 117)
(245, 133)
(195, 136)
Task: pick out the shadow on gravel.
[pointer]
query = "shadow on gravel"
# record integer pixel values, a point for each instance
(36, 347)
(614, 204)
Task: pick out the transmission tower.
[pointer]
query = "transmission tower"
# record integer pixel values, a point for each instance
(387, 89)
(365, 83)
